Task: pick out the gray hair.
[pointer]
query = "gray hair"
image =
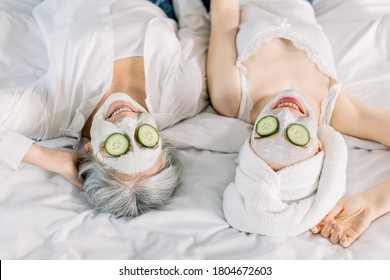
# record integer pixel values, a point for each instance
(109, 194)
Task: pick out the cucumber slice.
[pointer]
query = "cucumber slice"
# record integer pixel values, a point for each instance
(117, 144)
(147, 136)
(267, 126)
(298, 135)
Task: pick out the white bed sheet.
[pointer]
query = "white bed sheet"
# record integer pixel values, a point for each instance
(42, 216)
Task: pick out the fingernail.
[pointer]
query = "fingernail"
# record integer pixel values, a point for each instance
(343, 240)
(315, 229)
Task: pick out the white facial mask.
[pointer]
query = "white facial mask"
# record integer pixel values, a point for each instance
(139, 158)
(277, 148)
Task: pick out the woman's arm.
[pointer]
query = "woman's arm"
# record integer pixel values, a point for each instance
(222, 73)
(352, 215)
(354, 118)
(57, 161)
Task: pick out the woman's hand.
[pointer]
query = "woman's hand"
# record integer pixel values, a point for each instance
(347, 221)
(59, 161)
(352, 215)
(68, 168)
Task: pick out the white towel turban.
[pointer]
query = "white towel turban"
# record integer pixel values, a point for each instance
(292, 200)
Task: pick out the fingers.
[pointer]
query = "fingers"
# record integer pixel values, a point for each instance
(333, 231)
(346, 240)
(336, 210)
(336, 234)
(318, 228)
(328, 229)
(333, 213)
(315, 229)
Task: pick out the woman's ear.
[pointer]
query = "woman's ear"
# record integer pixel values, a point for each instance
(87, 147)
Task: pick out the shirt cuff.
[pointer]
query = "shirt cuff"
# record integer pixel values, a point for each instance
(13, 147)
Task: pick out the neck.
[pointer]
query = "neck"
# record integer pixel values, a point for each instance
(128, 77)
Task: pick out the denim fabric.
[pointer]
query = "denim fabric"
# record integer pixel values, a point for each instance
(166, 6)
(207, 3)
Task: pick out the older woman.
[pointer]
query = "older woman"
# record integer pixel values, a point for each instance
(271, 65)
(118, 72)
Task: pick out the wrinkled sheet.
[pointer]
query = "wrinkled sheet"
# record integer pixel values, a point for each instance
(42, 216)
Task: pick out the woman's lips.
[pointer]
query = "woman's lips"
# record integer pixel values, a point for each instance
(122, 108)
(289, 102)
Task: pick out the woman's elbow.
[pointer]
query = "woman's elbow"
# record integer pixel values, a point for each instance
(224, 103)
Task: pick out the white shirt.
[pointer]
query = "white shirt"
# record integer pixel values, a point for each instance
(80, 44)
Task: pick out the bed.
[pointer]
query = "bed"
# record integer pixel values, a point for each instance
(42, 216)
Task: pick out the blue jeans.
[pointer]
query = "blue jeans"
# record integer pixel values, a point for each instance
(166, 6)
(207, 3)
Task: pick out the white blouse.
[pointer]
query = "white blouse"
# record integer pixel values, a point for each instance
(82, 39)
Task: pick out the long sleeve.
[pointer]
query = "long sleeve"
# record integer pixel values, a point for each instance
(194, 28)
(13, 147)
(22, 62)
(175, 63)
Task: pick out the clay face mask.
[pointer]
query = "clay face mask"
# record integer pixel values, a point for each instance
(136, 158)
(287, 137)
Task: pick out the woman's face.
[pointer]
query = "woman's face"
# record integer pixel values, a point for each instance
(285, 132)
(122, 117)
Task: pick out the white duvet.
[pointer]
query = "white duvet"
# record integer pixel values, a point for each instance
(42, 216)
